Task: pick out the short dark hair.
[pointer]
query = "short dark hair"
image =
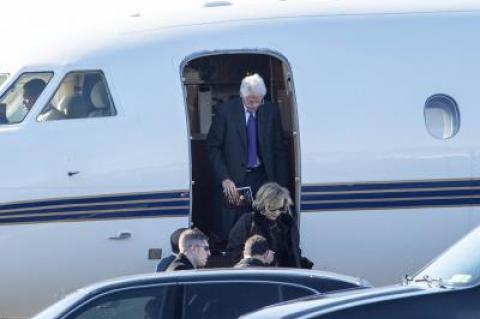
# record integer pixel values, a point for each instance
(174, 238)
(34, 87)
(256, 245)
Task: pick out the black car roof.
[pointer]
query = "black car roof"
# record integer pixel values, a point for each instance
(316, 280)
(271, 274)
(312, 304)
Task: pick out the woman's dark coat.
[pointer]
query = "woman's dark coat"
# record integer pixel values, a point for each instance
(257, 224)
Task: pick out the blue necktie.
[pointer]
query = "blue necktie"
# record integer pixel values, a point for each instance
(252, 141)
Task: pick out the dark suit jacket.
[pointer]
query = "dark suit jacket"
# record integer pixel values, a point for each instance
(181, 262)
(227, 142)
(165, 262)
(250, 262)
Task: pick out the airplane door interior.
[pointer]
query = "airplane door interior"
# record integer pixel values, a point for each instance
(210, 80)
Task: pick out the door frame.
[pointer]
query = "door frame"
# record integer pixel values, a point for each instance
(294, 113)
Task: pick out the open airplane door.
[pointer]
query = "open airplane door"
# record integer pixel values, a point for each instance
(211, 79)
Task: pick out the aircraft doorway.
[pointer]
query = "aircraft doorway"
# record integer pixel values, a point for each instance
(212, 79)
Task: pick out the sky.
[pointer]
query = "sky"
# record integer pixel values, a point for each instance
(27, 24)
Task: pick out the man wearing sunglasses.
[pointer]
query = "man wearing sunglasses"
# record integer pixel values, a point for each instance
(174, 240)
(194, 251)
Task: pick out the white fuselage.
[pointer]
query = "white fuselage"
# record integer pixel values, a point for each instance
(360, 81)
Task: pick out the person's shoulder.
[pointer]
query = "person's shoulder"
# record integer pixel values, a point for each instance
(162, 265)
(258, 217)
(271, 107)
(183, 266)
(180, 264)
(241, 264)
(242, 225)
(247, 217)
(249, 262)
(287, 219)
(183, 262)
(165, 262)
(253, 262)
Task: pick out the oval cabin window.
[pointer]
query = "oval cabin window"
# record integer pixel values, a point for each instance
(442, 117)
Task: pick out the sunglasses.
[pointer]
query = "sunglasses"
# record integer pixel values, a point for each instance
(206, 248)
(282, 209)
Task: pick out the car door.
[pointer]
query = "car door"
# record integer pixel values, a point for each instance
(132, 303)
(230, 299)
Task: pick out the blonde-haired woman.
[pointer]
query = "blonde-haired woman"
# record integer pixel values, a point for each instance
(271, 219)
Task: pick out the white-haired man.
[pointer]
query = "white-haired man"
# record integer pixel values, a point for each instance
(246, 147)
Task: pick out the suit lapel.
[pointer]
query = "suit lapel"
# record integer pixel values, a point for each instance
(239, 118)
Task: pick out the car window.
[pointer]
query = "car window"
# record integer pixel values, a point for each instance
(152, 303)
(227, 299)
(17, 101)
(294, 292)
(82, 94)
(325, 285)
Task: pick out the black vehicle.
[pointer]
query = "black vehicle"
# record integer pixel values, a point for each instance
(195, 294)
(449, 287)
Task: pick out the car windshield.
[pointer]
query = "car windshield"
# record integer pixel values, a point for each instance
(21, 96)
(458, 267)
(59, 307)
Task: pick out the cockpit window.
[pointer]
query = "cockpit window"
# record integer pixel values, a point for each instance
(3, 77)
(82, 94)
(459, 266)
(20, 97)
